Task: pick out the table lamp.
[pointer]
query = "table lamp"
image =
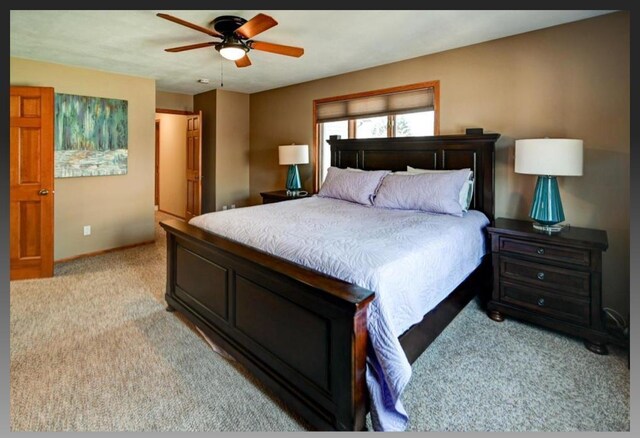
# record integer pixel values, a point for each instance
(548, 158)
(293, 155)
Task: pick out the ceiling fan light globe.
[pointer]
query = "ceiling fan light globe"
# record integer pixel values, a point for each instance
(232, 53)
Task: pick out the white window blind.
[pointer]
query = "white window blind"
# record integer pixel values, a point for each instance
(376, 105)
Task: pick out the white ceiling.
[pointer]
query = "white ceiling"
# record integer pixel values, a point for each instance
(335, 42)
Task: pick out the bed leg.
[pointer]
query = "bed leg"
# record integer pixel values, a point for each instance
(496, 316)
(169, 308)
(596, 347)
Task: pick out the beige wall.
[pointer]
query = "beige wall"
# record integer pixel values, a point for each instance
(566, 81)
(118, 208)
(173, 163)
(232, 149)
(174, 101)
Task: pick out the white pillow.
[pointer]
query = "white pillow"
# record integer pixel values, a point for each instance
(466, 192)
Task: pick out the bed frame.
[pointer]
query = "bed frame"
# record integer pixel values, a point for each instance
(300, 332)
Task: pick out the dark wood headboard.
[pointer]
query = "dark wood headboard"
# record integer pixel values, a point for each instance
(436, 152)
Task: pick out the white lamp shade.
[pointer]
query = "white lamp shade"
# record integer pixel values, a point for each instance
(549, 156)
(293, 154)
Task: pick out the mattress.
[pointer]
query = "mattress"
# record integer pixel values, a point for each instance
(412, 260)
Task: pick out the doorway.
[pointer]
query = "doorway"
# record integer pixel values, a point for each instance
(178, 163)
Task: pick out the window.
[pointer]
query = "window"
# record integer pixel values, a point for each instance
(328, 129)
(414, 124)
(372, 127)
(410, 110)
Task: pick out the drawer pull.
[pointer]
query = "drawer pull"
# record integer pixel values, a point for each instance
(540, 275)
(540, 251)
(541, 302)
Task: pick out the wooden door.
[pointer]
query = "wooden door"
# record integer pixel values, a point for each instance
(194, 166)
(31, 182)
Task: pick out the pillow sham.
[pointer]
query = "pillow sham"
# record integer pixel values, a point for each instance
(466, 191)
(359, 187)
(430, 192)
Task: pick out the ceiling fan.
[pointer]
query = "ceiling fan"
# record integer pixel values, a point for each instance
(235, 34)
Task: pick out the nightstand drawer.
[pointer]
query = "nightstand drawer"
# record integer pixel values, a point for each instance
(545, 251)
(546, 276)
(546, 302)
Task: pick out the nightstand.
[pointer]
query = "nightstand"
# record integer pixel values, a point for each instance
(554, 280)
(277, 196)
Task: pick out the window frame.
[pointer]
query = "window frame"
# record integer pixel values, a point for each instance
(435, 85)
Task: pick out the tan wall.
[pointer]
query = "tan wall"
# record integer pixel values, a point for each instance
(118, 208)
(174, 101)
(232, 149)
(173, 163)
(206, 102)
(566, 81)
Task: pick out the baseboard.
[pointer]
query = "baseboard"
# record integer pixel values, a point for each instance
(103, 251)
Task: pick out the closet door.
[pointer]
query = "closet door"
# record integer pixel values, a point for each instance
(31, 182)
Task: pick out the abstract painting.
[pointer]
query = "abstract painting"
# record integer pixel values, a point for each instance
(91, 136)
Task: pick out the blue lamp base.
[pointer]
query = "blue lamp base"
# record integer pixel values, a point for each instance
(293, 180)
(546, 209)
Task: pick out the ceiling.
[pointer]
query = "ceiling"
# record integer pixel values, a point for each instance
(335, 42)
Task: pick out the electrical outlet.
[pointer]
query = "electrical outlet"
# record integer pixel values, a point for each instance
(87, 230)
(233, 205)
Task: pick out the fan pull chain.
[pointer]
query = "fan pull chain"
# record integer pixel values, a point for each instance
(221, 75)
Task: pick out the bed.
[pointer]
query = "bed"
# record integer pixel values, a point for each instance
(302, 332)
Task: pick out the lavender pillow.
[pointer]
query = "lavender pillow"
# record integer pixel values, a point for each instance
(466, 192)
(351, 186)
(430, 192)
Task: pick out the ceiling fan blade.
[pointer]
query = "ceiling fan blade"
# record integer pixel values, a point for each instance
(191, 46)
(191, 25)
(243, 62)
(277, 48)
(256, 25)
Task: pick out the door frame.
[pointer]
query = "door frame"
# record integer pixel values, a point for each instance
(176, 112)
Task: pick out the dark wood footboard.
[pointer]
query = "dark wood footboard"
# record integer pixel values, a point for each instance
(303, 334)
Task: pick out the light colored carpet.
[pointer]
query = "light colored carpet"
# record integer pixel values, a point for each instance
(93, 349)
